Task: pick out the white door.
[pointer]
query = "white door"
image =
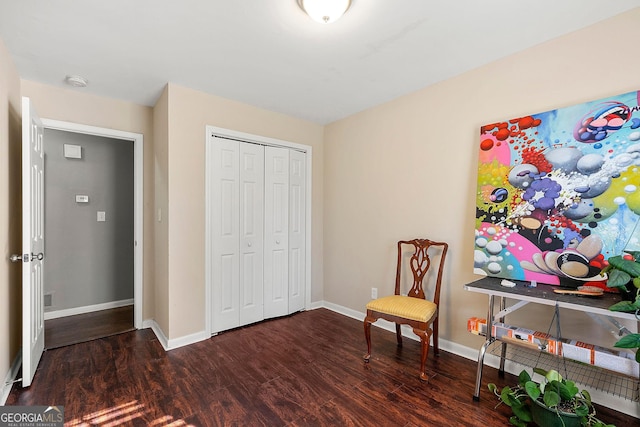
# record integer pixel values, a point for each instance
(225, 225)
(276, 232)
(251, 233)
(237, 233)
(32, 241)
(297, 230)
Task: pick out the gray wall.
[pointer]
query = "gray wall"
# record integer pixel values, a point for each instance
(88, 262)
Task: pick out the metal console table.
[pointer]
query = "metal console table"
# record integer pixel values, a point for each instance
(543, 294)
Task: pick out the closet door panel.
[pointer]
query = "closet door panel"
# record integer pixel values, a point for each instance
(251, 233)
(276, 233)
(297, 230)
(225, 235)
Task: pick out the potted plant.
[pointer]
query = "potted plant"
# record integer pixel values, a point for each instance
(623, 273)
(554, 402)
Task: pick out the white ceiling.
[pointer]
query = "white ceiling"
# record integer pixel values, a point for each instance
(269, 54)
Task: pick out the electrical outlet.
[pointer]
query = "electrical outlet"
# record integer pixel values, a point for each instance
(374, 293)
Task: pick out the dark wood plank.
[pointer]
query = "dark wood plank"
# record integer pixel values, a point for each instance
(89, 326)
(301, 370)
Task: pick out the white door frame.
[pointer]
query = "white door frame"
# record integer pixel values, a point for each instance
(138, 192)
(263, 140)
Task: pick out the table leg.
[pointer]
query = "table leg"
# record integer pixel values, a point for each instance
(503, 351)
(483, 350)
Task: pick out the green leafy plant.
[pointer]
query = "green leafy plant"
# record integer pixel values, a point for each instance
(622, 272)
(557, 394)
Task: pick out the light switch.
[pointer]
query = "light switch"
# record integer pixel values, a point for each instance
(80, 198)
(102, 216)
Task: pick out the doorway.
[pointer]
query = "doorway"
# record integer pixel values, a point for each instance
(93, 229)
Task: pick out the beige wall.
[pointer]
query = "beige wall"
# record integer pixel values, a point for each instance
(71, 105)
(408, 168)
(161, 211)
(189, 112)
(10, 208)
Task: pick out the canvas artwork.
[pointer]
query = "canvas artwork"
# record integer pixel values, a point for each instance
(559, 192)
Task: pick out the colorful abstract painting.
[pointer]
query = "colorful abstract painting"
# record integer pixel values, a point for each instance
(559, 192)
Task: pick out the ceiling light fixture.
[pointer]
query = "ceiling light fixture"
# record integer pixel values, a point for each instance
(324, 11)
(76, 81)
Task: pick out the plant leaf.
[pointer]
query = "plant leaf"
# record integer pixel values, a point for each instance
(582, 411)
(540, 371)
(629, 341)
(509, 398)
(523, 413)
(630, 267)
(553, 375)
(524, 377)
(561, 389)
(617, 278)
(572, 390)
(638, 356)
(516, 422)
(551, 398)
(532, 390)
(625, 306)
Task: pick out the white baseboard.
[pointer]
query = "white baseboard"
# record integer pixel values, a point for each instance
(9, 379)
(150, 323)
(48, 315)
(605, 399)
(315, 305)
(188, 339)
(170, 344)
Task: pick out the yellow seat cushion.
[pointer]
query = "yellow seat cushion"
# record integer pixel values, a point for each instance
(403, 306)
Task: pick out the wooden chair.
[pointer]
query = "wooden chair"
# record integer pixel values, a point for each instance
(413, 309)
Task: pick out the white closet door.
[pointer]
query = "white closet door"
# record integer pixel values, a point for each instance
(225, 234)
(251, 232)
(297, 230)
(276, 233)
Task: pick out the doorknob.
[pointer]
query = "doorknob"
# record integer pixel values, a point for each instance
(26, 257)
(19, 257)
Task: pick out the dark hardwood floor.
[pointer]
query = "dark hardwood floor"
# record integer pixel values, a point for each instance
(89, 326)
(301, 370)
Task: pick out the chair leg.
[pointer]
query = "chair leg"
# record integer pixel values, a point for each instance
(425, 337)
(367, 336)
(399, 334)
(436, 348)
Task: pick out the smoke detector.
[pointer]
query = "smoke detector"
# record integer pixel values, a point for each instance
(76, 81)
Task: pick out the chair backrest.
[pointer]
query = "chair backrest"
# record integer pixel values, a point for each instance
(420, 262)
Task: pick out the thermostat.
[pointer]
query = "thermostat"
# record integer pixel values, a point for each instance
(72, 151)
